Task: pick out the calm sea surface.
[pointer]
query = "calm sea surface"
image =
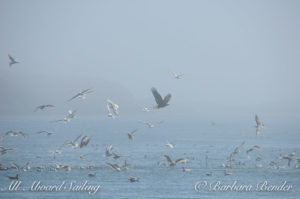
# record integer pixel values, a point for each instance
(144, 153)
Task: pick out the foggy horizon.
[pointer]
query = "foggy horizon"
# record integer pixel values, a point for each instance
(236, 61)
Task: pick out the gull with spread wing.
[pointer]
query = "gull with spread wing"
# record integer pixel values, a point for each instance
(81, 95)
(13, 60)
(160, 102)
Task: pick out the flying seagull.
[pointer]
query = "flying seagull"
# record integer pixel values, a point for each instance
(144, 109)
(186, 169)
(109, 112)
(259, 125)
(64, 120)
(236, 151)
(177, 76)
(15, 133)
(13, 60)
(150, 125)
(172, 163)
(42, 107)
(4, 150)
(71, 114)
(84, 141)
(170, 145)
(82, 156)
(116, 156)
(45, 132)
(114, 167)
(159, 101)
(14, 165)
(130, 135)
(55, 152)
(73, 143)
(113, 107)
(255, 147)
(82, 94)
(67, 119)
(286, 157)
(108, 150)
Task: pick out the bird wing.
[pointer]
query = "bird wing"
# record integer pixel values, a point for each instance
(180, 160)
(50, 105)
(22, 134)
(249, 150)
(11, 58)
(258, 123)
(39, 107)
(258, 129)
(8, 132)
(77, 95)
(115, 109)
(157, 96)
(85, 140)
(14, 165)
(257, 148)
(86, 91)
(132, 132)
(77, 138)
(168, 159)
(167, 98)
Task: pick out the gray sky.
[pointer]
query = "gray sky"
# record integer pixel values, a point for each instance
(238, 57)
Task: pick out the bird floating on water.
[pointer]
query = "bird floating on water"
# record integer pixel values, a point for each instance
(16, 177)
(133, 179)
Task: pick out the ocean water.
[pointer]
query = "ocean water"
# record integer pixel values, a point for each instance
(192, 140)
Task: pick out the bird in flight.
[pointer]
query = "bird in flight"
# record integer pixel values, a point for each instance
(255, 147)
(45, 132)
(177, 76)
(13, 60)
(114, 167)
(130, 135)
(81, 95)
(112, 108)
(15, 133)
(42, 107)
(259, 126)
(159, 100)
(150, 125)
(173, 163)
(170, 145)
(144, 109)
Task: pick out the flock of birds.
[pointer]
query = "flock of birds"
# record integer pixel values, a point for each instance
(112, 108)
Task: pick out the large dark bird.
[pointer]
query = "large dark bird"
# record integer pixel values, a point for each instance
(160, 102)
